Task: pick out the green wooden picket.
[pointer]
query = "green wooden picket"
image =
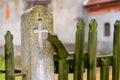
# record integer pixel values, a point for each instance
(62, 69)
(79, 51)
(116, 52)
(104, 71)
(62, 54)
(57, 46)
(9, 57)
(92, 44)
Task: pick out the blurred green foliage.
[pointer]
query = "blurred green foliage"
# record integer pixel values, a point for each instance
(2, 65)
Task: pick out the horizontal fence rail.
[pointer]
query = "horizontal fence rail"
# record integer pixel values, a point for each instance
(70, 61)
(16, 70)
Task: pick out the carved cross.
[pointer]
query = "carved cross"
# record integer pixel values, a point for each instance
(40, 31)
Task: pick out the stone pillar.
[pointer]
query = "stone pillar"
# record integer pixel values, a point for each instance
(37, 53)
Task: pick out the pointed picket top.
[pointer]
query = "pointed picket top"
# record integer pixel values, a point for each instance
(79, 49)
(104, 69)
(105, 61)
(52, 36)
(116, 51)
(93, 25)
(80, 24)
(8, 37)
(58, 46)
(9, 56)
(117, 24)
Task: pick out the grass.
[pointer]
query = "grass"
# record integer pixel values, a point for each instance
(2, 65)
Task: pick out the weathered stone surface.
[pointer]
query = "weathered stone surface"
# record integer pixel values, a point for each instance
(37, 55)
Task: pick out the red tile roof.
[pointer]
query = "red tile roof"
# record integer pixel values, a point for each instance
(92, 2)
(102, 6)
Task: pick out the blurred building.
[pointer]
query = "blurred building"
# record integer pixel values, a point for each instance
(106, 12)
(65, 17)
(66, 14)
(10, 11)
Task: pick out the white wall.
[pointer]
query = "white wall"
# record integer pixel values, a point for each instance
(64, 20)
(101, 19)
(12, 24)
(66, 14)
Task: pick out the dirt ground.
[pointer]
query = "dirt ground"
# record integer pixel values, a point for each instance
(85, 75)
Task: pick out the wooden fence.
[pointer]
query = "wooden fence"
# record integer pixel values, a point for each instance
(9, 70)
(78, 61)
